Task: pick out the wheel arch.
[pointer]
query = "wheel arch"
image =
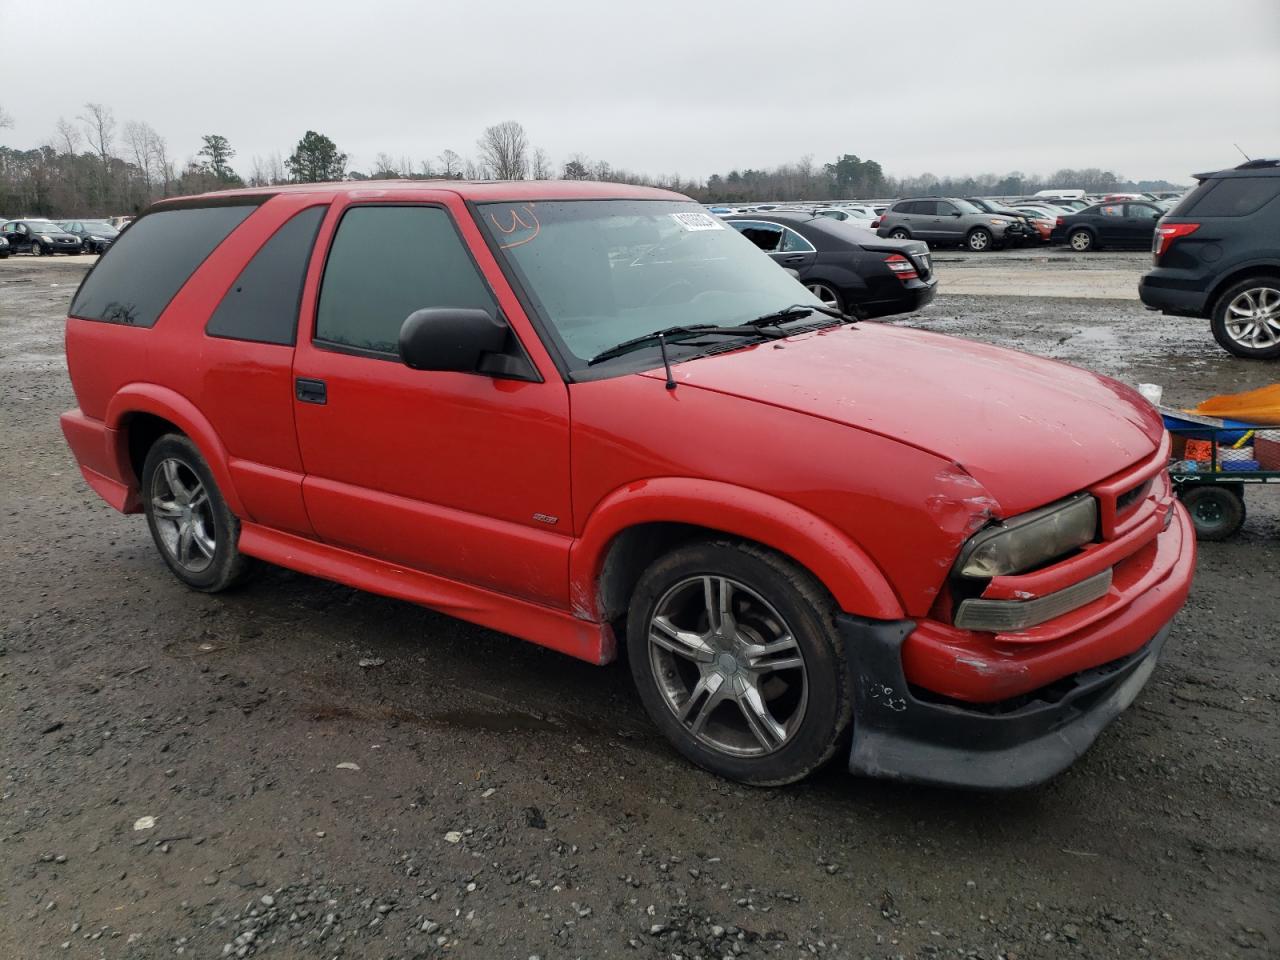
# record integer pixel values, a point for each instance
(140, 413)
(634, 525)
(1265, 268)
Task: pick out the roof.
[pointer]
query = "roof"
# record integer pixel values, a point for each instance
(478, 190)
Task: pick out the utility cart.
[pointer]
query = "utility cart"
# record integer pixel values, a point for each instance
(1212, 461)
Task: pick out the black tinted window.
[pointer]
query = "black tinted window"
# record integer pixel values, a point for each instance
(387, 262)
(1233, 197)
(150, 262)
(262, 304)
(766, 236)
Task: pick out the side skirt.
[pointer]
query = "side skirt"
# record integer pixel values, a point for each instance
(557, 629)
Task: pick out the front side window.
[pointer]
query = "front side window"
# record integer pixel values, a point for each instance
(386, 263)
(599, 272)
(1144, 212)
(947, 209)
(143, 269)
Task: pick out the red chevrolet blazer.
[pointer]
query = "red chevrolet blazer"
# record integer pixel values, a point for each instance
(591, 415)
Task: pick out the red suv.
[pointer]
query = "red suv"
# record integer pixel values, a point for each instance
(591, 415)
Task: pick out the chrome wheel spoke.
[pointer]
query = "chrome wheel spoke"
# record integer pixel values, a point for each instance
(768, 731)
(165, 509)
(703, 700)
(683, 643)
(781, 654)
(176, 486)
(186, 536)
(718, 593)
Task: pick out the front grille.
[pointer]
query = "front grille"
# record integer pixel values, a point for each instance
(1130, 497)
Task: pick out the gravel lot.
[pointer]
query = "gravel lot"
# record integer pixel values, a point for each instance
(301, 770)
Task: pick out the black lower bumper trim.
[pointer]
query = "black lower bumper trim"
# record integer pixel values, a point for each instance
(898, 736)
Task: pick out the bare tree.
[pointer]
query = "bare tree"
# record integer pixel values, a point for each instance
(5, 119)
(100, 127)
(452, 164)
(164, 165)
(504, 148)
(542, 168)
(66, 138)
(384, 168)
(141, 140)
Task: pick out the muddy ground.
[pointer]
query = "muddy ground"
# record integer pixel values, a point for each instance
(334, 774)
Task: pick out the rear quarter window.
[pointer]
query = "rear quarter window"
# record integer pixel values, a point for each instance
(262, 305)
(148, 263)
(1230, 197)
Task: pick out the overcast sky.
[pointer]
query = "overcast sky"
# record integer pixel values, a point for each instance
(1147, 88)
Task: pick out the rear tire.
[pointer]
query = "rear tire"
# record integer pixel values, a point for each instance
(1217, 511)
(897, 233)
(760, 694)
(828, 294)
(195, 532)
(1246, 318)
(1081, 241)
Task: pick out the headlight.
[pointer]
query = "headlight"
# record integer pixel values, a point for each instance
(45, 238)
(999, 223)
(1030, 540)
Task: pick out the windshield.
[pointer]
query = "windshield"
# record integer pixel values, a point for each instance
(100, 228)
(966, 207)
(43, 226)
(604, 271)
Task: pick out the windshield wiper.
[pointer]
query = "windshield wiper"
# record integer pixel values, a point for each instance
(676, 334)
(798, 310)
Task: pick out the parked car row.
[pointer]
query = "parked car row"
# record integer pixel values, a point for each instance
(46, 237)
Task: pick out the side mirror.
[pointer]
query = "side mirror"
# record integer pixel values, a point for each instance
(451, 338)
(955, 213)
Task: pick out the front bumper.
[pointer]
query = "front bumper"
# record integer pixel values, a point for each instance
(899, 736)
(1012, 712)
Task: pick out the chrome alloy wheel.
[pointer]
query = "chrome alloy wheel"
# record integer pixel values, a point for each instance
(1253, 318)
(825, 294)
(1081, 241)
(183, 515)
(728, 666)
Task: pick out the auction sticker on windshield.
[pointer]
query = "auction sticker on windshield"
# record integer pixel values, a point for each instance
(697, 221)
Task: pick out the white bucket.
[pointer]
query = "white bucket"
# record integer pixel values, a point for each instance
(1152, 392)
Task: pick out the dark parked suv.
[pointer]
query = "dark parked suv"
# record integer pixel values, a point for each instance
(1217, 255)
(941, 220)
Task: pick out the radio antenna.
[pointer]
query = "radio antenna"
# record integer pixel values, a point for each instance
(1242, 153)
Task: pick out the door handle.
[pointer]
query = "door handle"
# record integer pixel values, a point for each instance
(311, 391)
(798, 258)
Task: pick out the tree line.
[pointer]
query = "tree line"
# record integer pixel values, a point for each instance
(94, 165)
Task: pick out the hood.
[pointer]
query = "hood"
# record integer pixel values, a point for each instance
(1029, 430)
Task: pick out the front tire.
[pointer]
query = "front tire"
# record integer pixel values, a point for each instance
(36, 249)
(1081, 241)
(735, 654)
(979, 240)
(1246, 318)
(195, 532)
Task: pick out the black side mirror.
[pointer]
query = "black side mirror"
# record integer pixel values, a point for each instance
(955, 213)
(451, 338)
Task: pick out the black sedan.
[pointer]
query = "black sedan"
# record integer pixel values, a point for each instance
(39, 237)
(1127, 223)
(95, 235)
(847, 267)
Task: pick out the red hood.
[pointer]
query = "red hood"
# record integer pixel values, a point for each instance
(1029, 430)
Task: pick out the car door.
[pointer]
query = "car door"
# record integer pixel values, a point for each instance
(946, 222)
(797, 252)
(1140, 223)
(461, 475)
(1110, 223)
(19, 238)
